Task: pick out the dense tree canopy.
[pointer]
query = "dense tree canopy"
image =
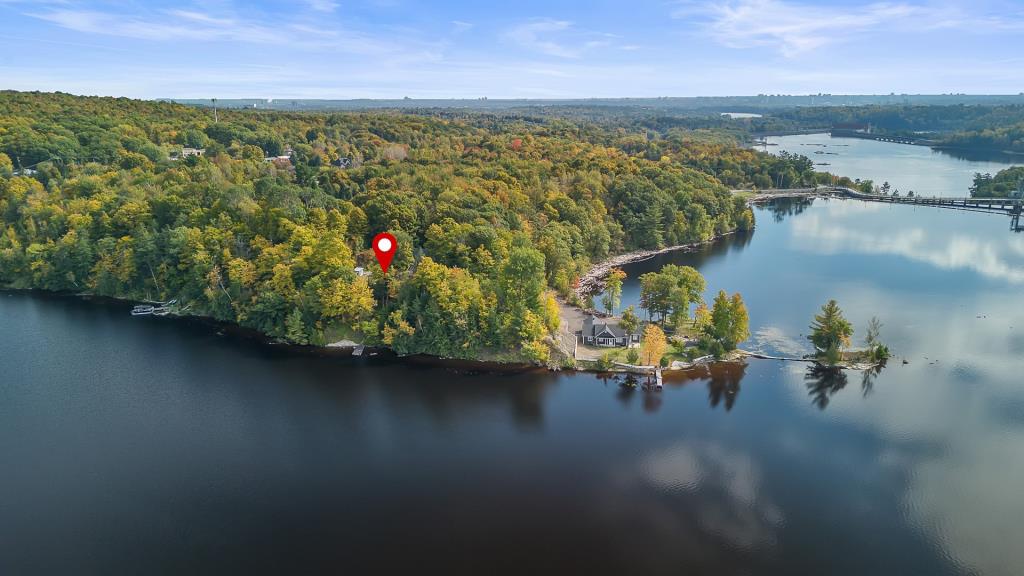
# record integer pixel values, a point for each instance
(668, 294)
(729, 323)
(1006, 182)
(490, 214)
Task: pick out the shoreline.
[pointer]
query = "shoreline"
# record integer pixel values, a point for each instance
(591, 282)
(462, 365)
(934, 145)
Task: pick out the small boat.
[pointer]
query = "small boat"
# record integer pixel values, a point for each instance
(142, 310)
(161, 311)
(657, 379)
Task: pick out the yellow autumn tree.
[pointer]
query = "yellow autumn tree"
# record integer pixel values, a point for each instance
(653, 346)
(350, 302)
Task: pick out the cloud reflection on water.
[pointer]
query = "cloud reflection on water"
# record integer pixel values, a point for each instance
(993, 259)
(944, 414)
(738, 511)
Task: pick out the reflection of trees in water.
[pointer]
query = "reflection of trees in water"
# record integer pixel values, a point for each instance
(627, 389)
(725, 383)
(823, 382)
(652, 401)
(698, 257)
(464, 392)
(867, 379)
(980, 155)
(631, 385)
(784, 207)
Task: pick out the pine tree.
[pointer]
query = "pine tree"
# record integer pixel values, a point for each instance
(830, 332)
(295, 330)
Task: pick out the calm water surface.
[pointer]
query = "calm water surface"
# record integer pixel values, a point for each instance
(133, 445)
(925, 171)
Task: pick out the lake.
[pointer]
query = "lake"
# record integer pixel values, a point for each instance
(925, 171)
(154, 445)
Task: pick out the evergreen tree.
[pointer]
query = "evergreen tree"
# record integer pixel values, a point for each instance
(629, 322)
(830, 333)
(295, 329)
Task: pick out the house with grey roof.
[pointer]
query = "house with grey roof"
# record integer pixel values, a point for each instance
(606, 333)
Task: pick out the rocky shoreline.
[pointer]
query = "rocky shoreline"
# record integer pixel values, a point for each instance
(593, 281)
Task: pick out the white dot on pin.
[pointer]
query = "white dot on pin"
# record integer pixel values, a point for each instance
(384, 245)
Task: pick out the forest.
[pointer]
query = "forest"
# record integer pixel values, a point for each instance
(495, 216)
(897, 119)
(1006, 182)
(1003, 138)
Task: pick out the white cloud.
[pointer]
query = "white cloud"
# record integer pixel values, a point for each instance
(794, 28)
(461, 26)
(323, 5)
(789, 27)
(173, 25)
(187, 25)
(534, 36)
(559, 38)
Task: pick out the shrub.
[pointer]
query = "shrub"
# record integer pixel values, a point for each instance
(632, 356)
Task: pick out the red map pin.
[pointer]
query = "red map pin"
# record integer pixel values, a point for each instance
(384, 246)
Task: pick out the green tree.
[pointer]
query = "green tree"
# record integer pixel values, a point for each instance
(830, 333)
(613, 290)
(670, 292)
(629, 322)
(295, 328)
(729, 321)
(632, 356)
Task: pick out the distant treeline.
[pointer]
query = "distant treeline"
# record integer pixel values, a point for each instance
(1005, 138)
(662, 104)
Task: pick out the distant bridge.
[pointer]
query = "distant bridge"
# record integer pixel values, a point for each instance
(842, 133)
(1010, 206)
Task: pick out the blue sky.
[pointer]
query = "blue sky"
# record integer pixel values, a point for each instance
(510, 49)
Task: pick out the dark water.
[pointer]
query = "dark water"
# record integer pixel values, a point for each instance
(925, 171)
(135, 446)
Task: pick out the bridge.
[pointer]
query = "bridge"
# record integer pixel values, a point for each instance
(1010, 206)
(844, 133)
